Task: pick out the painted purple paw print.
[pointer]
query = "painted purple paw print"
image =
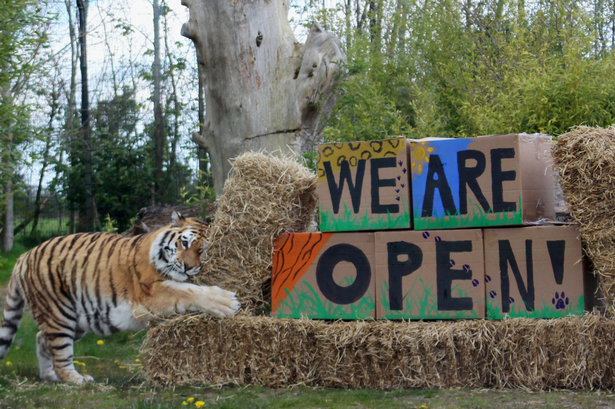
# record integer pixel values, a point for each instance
(475, 282)
(403, 186)
(487, 278)
(511, 300)
(560, 301)
(400, 163)
(396, 190)
(404, 170)
(397, 198)
(466, 267)
(492, 294)
(438, 238)
(425, 234)
(452, 263)
(398, 177)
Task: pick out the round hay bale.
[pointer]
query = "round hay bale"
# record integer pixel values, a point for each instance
(585, 161)
(572, 353)
(263, 197)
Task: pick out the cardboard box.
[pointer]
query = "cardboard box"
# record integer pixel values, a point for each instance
(430, 274)
(494, 180)
(533, 272)
(364, 185)
(323, 275)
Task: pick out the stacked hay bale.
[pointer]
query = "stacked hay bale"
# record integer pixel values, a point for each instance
(572, 353)
(263, 197)
(267, 196)
(585, 160)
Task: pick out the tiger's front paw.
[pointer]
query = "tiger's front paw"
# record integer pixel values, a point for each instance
(220, 303)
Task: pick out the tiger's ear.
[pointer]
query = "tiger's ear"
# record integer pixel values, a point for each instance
(177, 220)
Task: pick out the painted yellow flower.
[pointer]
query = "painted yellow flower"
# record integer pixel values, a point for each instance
(199, 404)
(100, 342)
(190, 400)
(9, 363)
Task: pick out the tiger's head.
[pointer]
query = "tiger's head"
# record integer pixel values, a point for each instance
(176, 250)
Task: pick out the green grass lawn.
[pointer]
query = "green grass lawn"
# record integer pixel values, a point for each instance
(115, 366)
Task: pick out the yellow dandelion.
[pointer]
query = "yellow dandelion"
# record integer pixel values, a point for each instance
(9, 363)
(122, 367)
(190, 400)
(117, 362)
(137, 360)
(199, 404)
(17, 347)
(100, 342)
(184, 403)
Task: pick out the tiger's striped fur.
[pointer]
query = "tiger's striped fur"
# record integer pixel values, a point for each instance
(105, 283)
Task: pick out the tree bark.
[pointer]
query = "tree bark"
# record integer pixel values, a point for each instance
(158, 121)
(8, 232)
(264, 90)
(88, 222)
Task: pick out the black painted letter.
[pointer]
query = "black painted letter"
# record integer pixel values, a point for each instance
(377, 183)
(557, 248)
(436, 168)
(399, 269)
(469, 176)
(324, 274)
(337, 190)
(507, 257)
(446, 275)
(498, 177)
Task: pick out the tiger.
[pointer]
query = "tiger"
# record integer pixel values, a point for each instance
(106, 283)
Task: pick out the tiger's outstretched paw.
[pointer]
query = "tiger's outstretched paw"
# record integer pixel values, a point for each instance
(220, 303)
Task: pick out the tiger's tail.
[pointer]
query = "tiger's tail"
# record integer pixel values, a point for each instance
(13, 311)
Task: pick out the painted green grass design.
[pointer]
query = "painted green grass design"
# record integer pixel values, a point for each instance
(518, 310)
(426, 306)
(478, 218)
(305, 301)
(347, 220)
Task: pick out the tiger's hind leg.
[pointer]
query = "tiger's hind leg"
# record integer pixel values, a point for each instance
(45, 365)
(60, 348)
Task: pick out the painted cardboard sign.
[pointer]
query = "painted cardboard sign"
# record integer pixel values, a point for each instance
(533, 272)
(364, 185)
(486, 181)
(430, 274)
(323, 275)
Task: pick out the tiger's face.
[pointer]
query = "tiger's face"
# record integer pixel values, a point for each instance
(176, 251)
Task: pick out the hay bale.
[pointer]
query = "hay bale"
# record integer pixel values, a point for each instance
(263, 197)
(585, 161)
(572, 353)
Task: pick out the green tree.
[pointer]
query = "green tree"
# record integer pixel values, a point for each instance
(451, 68)
(23, 33)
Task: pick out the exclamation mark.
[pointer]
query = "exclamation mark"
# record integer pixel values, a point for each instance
(557, 249)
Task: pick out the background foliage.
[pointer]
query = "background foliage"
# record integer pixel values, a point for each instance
(450, 68)
(445, 68)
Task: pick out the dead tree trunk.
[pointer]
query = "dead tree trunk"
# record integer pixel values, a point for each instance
(264, 90)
